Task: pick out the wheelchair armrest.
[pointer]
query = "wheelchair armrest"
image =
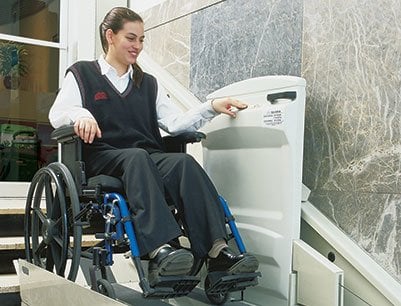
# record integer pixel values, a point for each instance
(178, 142)
(64, 134)
(187, 137)
(70, 153)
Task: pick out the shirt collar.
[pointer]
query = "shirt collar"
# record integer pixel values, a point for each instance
(106, 68)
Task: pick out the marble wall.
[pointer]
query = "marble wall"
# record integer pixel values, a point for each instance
(237, 40)
(168, 35)
(215, 42)
(351, 61)
(349, 53)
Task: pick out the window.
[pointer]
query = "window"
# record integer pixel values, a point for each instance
(38, 19)
(29, 76)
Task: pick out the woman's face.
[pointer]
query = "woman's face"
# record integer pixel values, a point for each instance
(126, 44)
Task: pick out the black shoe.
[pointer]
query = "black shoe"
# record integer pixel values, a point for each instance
(228, 261)
(169, 262)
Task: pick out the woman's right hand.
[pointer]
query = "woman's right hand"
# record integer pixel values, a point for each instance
(224, 106)
(87, 129)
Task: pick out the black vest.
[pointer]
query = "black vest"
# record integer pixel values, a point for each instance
(127, 120)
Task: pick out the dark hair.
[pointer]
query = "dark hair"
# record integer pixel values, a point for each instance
(115, 20)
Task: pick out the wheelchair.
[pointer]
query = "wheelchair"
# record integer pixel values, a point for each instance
(61, 204)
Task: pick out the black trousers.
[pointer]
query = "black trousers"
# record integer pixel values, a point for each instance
(147, 178)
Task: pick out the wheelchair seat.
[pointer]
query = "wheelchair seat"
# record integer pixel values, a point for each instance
(107, 183)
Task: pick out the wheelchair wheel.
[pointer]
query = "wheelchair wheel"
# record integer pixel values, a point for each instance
(215, 298)
(51, 207)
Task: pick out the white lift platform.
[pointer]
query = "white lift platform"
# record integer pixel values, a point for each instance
(255, 161)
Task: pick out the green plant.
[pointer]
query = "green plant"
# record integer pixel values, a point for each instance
(12, 59)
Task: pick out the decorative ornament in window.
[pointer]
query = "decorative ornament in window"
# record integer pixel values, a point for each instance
(13, 63)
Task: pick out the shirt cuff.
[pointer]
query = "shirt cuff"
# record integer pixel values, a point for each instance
(206, 110)
(81, 113)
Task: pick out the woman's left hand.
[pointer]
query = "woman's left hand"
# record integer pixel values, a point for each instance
(227, 106)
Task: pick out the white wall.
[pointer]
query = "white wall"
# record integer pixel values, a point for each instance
(141, 5)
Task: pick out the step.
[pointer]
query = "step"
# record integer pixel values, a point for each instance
(17, 243)
(12, 222)
(12, 248)
(13, 205)
(9, 283)
(12, 210)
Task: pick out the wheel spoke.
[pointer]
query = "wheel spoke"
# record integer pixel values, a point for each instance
(70, 253)
(57, 253)
(40, 214)
(49, 196)
(38, 251)
(56, 250)
(49, 259)
(39, 255)
(59, 241)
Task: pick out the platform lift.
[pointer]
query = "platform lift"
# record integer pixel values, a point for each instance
(255, 161)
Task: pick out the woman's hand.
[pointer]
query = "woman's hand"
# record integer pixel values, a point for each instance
(227, 106)
(87, 129)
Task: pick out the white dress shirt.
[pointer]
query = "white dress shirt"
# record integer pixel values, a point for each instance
(68, 104)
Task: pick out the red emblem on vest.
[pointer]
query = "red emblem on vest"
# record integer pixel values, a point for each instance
(100, 95)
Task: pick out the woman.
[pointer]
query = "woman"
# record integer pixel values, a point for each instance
(117, 110)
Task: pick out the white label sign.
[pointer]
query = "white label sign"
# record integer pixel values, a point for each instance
(273, 117)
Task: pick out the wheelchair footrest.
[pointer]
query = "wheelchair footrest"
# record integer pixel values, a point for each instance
(172, 286)
(221, 282)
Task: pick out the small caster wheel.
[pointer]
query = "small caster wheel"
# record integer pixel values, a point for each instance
(106, 288)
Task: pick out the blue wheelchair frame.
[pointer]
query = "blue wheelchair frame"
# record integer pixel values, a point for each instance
(120, 213)
(116, 212)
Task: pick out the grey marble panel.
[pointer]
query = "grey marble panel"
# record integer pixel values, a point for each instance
(168, 30)
(237, 39)
(169, 46)
(351, 62)
(168, 35)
